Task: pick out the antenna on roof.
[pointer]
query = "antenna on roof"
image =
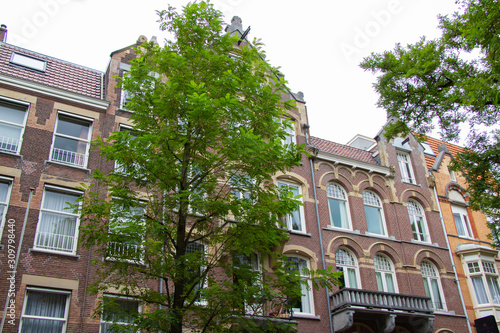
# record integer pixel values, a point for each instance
(244, 35)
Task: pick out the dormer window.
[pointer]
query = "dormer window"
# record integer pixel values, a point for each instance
(28, 62)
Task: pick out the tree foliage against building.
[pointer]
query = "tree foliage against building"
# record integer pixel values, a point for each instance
(452, 82)
(191, 210)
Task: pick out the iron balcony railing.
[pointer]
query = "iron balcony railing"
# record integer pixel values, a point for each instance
(55, 242)
(9, 144)
(348, 297)
(269, 307)
(69, 157)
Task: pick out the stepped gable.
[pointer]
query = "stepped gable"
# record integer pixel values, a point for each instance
(58, 73)
(342, 150)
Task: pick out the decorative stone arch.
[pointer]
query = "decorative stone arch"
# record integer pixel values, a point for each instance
(387, 250)
(342, 180)
(418, 197)
(303, 252)
(347, 242)
(425, 254)
(319, 164)
(377, 189)
(444, 330)
(456, 187)
(297, 179)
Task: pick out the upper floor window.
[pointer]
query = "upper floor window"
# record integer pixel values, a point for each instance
(418, 222)
(302, 304)
(71, 141)
(294, 220)
(12, 122)
(57, 228)
(290, 131)
(461, 221)
(384, 273)
(337, 203)
(374, 213)
(432, 284)
(346, 262)
(45, 310)
(405, 168)
(5, 185)
(453, 176)
(484, 278)
(196, 276)
(118, 311)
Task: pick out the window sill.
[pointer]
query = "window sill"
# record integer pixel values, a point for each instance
(376, 235)
(421, 242)
(65, 254)
(408, 183)
(306, 316)
(10, 153)
(299, 233)
(121, 108)
(338, 228)
(67, 165)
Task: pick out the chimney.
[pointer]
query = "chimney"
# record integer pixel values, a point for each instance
(3, 33)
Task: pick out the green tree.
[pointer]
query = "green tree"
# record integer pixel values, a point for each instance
(452, 82)
(191, 203)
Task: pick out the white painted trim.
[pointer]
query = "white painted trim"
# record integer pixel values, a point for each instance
(54, 92)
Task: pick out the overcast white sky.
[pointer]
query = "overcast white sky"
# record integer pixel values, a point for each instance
(317, 43)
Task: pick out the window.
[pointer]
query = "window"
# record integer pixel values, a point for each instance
(346, 263)
(484, 278)
(125, 234)
(374, 213)
(57, 228)
(28, 62)
(405, 168)
(418, 222)
(461, 221)
(337, 204)
(197, 253)
(290, 131)
(453, 177)
(71, 140)
(384, 273)
(247, 277)
(295, 220)
(432, 285)
(240, 184)
(118, 311)
(302, 304)
(12, 121)
(4, 200)
(45, 311)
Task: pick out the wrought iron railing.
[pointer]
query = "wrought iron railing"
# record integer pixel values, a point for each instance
(376, 299)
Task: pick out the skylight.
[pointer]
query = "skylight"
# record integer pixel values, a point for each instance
(28, 62)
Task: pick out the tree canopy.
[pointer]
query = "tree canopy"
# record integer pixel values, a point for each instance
(191, 210)
(452, 83)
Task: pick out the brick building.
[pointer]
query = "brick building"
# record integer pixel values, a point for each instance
(369, 209)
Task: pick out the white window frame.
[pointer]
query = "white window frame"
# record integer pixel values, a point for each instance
(368, 202)
(69, 213)
(301, 215)
(11, 141)
(253, 309)
(305, 284)
(416, 213)
(103, 322)
(405, 167)
(430, 273)
(24, 316)
(83, 160)
(203, 283)
(384, 267)
(28, 61)
(463, 222)
(5, 203)
(346, 262)
(487, 273)
(291, 136)
(337, 193)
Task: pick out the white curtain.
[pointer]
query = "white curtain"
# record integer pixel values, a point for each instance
(43, 304)
(493, 286)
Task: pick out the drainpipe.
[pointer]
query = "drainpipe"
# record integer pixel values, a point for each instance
(452, 261)
(19, 246)
(320, 238)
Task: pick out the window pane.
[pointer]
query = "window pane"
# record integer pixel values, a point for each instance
(9, 137)
(74, 127)
(338, 213)
(477, 282)
(353, 281)
(459, 224)
(4, 189)
(41, 326)
(436, 294)
(58, 201)
(390, 283)
(494, 291)
(12, 113)
(380, 283)
(373, 220)
(44, 304)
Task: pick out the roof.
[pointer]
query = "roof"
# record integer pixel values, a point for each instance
(342, 150)
(58, 73)
(434, 143)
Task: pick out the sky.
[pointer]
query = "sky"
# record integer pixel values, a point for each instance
(318, 44)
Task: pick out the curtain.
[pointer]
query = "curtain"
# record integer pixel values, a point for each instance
(338, 213)
(373, 220)
(459, 224)
(481, 296)
(438, 303)
(380, 284)
(353, 282)
(43, 304)
(494, 291)
(390, 283)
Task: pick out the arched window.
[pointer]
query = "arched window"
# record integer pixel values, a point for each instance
(295, 220)
(346, 262)
(418, 222)
(384, 273)
(374, 213)
(337, 203)
(432, 284)
(304, 303)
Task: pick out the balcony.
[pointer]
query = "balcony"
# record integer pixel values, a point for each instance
(381, 309)
(69, 157)
(125, 251)
(55, 242)
(9, 144)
